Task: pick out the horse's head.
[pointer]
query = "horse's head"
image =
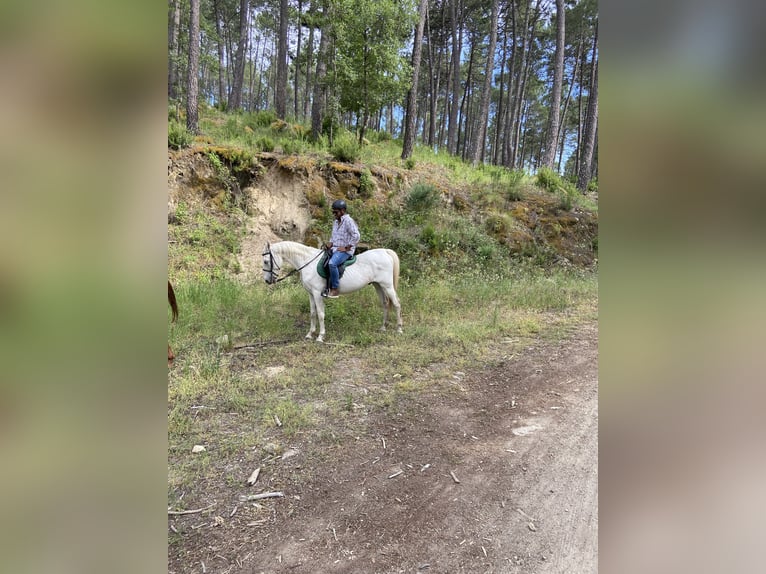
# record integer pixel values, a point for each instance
(271, 264)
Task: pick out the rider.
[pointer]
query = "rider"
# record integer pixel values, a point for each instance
(345, 236)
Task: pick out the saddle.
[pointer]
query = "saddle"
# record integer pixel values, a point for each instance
(322, 267)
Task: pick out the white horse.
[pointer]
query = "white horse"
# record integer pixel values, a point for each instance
(379, 267)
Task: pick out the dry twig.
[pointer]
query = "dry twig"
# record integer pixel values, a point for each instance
(180, 512)
(249, 497)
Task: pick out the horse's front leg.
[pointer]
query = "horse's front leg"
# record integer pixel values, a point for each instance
(320, 315)
(312, 304)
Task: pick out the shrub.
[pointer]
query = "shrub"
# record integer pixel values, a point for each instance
(178, 136)
(346, 150)
(264, 143)
(260, 119)
(422, 197)
(549, 180)
(553, 183)
(330, 123)
(379, 136)
(292, 146)
(173, 112)
(366, 184)
(231, 129)
(499, 225)
(409, 163)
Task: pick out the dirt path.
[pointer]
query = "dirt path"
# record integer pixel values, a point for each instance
(522, 439)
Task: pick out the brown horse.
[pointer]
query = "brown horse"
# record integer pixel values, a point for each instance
(174, 308)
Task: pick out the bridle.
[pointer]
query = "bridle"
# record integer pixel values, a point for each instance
(274, 272)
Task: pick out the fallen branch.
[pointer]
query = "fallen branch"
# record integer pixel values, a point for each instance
(249, 497)
(263, 344)
(198, 510)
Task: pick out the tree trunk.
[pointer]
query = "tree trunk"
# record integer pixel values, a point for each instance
(412, 95)
(174, 25)
(466, 97)
(554, 118)
(478, 141)
(565, 108)
(517, 152)
(320, 77)
(452, 128)
(219, 32)
(433, 84)
(280, 95)
(192, 91)
(501, 107)
(309, 58)
(586, 163)
(297, 59)
(235, 96)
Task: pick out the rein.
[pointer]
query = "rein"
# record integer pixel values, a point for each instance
(293, 272)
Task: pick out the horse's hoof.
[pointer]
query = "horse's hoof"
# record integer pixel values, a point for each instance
(399, 330)
(320, 339)
(309, 337)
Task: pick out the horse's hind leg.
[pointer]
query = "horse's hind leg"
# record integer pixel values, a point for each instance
(393, 299)
(383, 303)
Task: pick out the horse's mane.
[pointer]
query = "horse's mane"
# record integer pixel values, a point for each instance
(293, 249)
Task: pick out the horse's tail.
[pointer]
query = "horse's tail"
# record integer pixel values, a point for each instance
(395, 259)
(172, 301)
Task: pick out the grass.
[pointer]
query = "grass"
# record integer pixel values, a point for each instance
(242, 360)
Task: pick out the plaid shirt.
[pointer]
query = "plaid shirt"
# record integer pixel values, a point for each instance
(345, 233)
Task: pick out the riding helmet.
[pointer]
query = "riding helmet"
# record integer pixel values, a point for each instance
(339, 204)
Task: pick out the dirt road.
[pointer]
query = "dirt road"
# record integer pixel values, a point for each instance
(499, 476)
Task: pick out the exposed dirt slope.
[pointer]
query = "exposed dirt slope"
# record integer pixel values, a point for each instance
(281, 195)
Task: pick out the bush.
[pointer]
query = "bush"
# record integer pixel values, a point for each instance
(346, 150)
(330, 123)
(549, 180)
(264, 143)
(422, 197)
(260, 119)
(292, 146)
(409, 163)
(379, 136)
(553, 183)
(178, 136)
(366, 184)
